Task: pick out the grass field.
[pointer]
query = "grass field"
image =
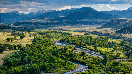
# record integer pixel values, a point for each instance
(115, 40)
(24, 41)
(74, 33)
(93, 36)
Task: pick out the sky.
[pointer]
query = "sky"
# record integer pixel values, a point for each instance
(27, 6)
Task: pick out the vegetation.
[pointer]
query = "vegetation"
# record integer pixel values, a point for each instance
(14, 38)
(44, 56)
(95, 64)
(34, 58)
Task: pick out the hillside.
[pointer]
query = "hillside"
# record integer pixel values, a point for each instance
(12, 17)
(125, 30)
(117, 23)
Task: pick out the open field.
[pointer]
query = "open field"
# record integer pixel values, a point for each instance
(84, 28)
(24, 41)
(75, 33)
(115, 40)
(93, 36)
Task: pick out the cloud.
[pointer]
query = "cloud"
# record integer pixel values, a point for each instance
(65, 7)
(35, 5)
(112, 8)
(29, 9)
(3, 10)
(100, 6)
(126, 8)
(108, 6)
(113, 0)
(24, 7)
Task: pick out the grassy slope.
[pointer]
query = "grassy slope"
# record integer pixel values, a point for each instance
(24, 41)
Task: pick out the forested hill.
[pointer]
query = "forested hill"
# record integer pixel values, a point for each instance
(117, 23)
(12, 17)
(125, 30)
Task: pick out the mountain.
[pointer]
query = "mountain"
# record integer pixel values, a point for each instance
(117, 23)
(15, 16)
(87, 13)
(125, 30)
(11, 17)
(123, 14)
(55, 14)
(129, 8)
(68, 14)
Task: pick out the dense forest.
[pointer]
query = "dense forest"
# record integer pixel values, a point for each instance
(44, 56)
(85, 41)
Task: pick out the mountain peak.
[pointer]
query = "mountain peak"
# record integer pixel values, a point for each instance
(88, 8)
(129, 8)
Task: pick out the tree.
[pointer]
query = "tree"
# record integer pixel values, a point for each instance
(22, 35)
(95, 45)
(75, 48)
(83, 53)
(12, 39)
(127, 50)
(115, 47)
(90, 40)
(1, 50)
(8, 39)
(15, 36)
(14, 46)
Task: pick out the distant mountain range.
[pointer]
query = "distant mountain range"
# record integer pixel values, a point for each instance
(69, 16)
(74, 14)
(87, 13)
(15, 16)
(123, 14)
